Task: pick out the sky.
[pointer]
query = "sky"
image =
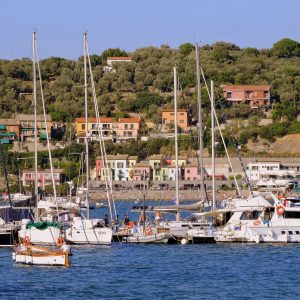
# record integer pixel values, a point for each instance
(134, 24)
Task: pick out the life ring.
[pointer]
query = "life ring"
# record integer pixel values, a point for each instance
(26, 241)
(280, 210)
(60, 241)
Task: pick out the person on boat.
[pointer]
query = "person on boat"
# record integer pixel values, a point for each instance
(126, 220)
(106, 223)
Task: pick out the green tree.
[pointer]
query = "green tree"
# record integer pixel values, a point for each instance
(286, 48)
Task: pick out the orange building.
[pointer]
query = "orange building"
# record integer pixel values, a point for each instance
(253, 95)
(168, 117)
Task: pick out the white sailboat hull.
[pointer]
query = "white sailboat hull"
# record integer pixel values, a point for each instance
(53, 260)
(159, 238)
(94, 236)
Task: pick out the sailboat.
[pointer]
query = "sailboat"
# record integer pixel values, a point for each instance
(178, 228)
(39, 232)
(145, 232)
(87, 230)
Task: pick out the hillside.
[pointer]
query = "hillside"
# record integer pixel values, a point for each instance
(144, 85)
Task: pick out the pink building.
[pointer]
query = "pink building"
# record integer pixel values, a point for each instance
(253, 95)
(99, 166)
(128, 128)
(140, 169)
(44, 177)
(191, 171)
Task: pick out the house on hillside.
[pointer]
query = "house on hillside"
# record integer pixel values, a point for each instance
(168, 118)
(128, 128)
(111, 60)
(9, 130)
(27, 127)
(44, 177)
(116, 131)
(253, 95)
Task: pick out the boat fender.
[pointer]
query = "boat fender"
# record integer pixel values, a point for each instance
(60, 241)
(280, 210)
(26, 241)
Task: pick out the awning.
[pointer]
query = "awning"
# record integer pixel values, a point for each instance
(4, 141)
(43, 136)
(7, 134)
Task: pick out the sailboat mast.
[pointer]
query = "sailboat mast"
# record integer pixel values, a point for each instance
(212, 96)
(86, 130)
(200, 124)
(36, 192)
(176, 141)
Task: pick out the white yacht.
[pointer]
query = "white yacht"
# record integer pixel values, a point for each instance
(260, 221)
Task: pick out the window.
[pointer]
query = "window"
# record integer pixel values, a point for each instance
(266, 94)
(292, 214)
(282, 232)
(290, 232)
(250, 215)
(249, 94)
(172, 114)
(119, 165)
(131, 126)
(83, 126)
(188, 171)
(181, 121)
(181, 114)
(229, 95)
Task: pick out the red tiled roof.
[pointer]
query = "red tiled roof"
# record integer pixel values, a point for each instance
(94, 120)
(247, 87)
(129, 120)
(172, 110)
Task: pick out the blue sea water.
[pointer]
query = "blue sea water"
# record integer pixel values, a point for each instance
(124, 271)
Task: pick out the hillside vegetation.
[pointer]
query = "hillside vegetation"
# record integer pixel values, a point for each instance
(145, 85)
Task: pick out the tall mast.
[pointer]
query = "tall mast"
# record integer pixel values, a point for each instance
(36, 192)
(212, 99)
(200, 124)
(86, 131)
(176, 141)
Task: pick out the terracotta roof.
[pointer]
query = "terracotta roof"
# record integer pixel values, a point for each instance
(132, 157)
(119, 58)
(247, 87)
(94, 120)
(156, 156)
(44, 171)
(40, 118)
(9, 122)
(129, 120)
(172, 110)
(142, 164)
(118, 157)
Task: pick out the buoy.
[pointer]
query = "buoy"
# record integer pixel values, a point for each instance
(183, 242)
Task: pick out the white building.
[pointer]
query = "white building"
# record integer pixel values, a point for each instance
(270, 174)
(111, 60)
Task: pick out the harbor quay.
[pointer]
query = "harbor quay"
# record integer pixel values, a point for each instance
(162, 191)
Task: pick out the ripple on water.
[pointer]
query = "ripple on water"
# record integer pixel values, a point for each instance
(125, 271)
